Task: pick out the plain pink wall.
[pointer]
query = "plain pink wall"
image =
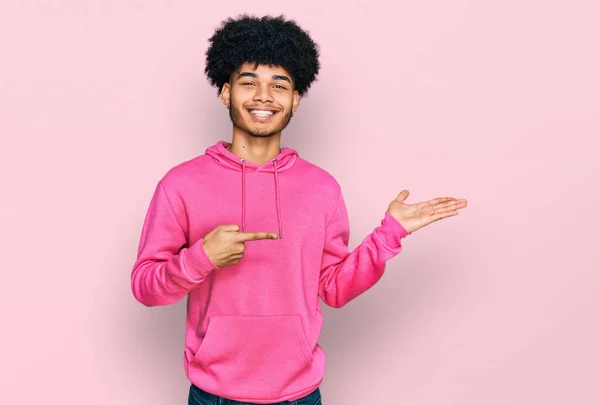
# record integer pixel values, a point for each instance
(495, 101)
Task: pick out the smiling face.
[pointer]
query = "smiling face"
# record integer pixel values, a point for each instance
(261, 102)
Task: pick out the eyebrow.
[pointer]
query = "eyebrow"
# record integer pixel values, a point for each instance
(274, 77)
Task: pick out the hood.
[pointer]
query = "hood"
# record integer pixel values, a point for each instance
(283, 161)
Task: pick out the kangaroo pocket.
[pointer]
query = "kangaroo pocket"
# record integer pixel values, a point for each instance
(257, 355)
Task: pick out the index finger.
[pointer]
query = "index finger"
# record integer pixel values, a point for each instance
(245, 236)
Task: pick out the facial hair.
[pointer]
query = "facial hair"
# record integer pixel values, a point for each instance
(236, 118)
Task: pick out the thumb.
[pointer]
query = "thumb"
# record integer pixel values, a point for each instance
(230, 227)
(402, 196)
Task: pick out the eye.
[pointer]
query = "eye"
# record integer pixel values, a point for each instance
(280, 86)
(247, 83)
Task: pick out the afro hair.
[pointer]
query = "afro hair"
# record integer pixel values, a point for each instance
(267, 40)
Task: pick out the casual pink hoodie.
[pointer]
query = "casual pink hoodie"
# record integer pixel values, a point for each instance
(252, 328)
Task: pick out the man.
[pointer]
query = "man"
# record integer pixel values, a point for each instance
(254, 235)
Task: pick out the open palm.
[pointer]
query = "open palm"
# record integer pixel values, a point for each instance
(416, 216)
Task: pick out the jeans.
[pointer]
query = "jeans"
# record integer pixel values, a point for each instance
(198, 396)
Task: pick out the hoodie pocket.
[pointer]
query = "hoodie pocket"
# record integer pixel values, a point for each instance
(250, 350)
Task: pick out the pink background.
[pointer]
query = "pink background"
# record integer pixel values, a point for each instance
(493, 101)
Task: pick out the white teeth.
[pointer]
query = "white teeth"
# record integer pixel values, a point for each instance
(261, 113)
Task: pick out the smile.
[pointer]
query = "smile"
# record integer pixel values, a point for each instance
(262, 115)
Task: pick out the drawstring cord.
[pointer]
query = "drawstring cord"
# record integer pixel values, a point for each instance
(243, 162)
(277, 198)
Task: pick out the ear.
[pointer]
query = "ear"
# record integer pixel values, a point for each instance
(226, 94)
(295, 101)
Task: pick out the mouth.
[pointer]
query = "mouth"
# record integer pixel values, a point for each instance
(262, 114)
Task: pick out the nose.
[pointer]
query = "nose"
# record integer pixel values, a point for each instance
(263, 94)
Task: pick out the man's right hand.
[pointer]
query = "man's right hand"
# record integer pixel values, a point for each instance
(224, 245)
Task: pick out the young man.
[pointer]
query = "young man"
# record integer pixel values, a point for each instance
(254, 235)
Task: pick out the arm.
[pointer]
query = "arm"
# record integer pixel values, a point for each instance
(345, 275)
(166, 269)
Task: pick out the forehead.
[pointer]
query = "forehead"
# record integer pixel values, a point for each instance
(262, 71)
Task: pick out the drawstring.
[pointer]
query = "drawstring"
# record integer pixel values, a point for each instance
(277, 197)
(243, 162)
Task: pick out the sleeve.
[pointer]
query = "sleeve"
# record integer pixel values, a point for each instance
(345, 275)
(167, 268)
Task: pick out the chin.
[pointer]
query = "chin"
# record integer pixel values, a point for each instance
(264, 132)
(265, 135)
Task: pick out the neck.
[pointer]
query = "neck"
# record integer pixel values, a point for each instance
(254, 149)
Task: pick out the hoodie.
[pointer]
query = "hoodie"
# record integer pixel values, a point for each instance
(252, 328)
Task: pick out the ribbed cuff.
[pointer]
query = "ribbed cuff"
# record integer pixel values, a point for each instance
(197, 262)
(391, 232)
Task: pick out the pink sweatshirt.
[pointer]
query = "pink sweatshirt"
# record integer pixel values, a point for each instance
(252, 328)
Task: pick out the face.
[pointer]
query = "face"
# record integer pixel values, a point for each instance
(261, 101)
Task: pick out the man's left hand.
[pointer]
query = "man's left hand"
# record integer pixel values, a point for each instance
(415, 216)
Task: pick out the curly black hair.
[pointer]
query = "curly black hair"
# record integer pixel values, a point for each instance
(264, 40)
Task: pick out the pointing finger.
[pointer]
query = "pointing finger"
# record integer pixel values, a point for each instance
(245, 236)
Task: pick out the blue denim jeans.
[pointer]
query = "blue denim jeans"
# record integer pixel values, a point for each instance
(198, 396)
